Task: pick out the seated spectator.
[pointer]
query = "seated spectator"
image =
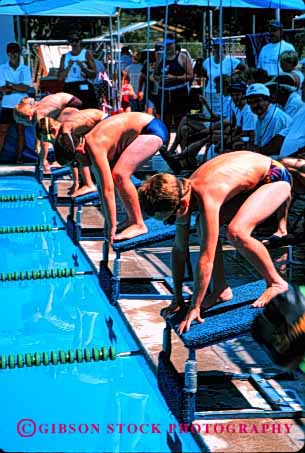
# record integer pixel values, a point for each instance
(192, 128)
(256, 75)
(245, 119)
(269, 56)
(270, 118)
(289, 61)
(284, 93)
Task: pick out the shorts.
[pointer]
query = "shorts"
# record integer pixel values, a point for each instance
(277, 172)
(158, 128)
(6, 115)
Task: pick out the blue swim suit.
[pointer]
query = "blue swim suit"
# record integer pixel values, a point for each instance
(277, 172)
(158, 128)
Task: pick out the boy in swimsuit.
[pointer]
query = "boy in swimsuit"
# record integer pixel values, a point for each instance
(241, 189)
(115, 148)
(30, 112)
(77, 123)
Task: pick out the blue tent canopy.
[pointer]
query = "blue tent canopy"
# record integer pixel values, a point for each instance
(106, 8)
(57, 8)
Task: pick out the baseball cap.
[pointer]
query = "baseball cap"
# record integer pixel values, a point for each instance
(275, 24)
(238, 87)
(284, 80)
(257, 89)
(13, 47)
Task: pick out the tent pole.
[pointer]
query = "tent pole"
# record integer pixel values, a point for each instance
(119, 63)
(253, 23)
(164, 61)
(147, 58)
(111, 64)
(278, 14)
(221, 81)
(211, 25)
(203, 39)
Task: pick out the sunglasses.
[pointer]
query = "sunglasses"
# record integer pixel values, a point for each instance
(74, 40)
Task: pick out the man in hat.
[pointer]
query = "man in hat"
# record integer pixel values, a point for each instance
(15, 81)
(270, 118)
(269, 56)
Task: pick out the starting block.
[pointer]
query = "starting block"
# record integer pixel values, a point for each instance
(74, 219)
(223, 322)
(111, 282)
(56, 175)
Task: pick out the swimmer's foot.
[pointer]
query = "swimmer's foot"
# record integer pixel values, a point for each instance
(270, 293)
(217, 297)
(83, 191)
(131, 232)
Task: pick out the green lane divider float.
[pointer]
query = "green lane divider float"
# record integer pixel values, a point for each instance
(25, 197)
(59, 357)
(25, 229)
(38, 274)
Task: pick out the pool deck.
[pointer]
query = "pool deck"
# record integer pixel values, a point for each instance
(240, 355)
(237, 355)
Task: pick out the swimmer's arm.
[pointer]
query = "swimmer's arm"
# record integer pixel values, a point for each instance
(106, 186)
(209, 233)
(179, 257)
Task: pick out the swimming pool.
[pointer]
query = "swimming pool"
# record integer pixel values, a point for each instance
(82, 406)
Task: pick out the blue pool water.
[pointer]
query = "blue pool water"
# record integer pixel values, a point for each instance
(78, 407)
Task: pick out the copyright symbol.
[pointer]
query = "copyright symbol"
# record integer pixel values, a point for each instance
(26, 427)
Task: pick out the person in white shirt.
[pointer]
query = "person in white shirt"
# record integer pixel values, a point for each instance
(15, 81)
(269, 56)
(270, 118)
(77, 69)
(211, 69)
(284, 93)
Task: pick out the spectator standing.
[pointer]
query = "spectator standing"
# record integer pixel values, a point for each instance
(134, 72)
(177, 77)
(269, 56)
(15, 81)
(212, 68)
(126, 58)
(152, 89)
(77, 69)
